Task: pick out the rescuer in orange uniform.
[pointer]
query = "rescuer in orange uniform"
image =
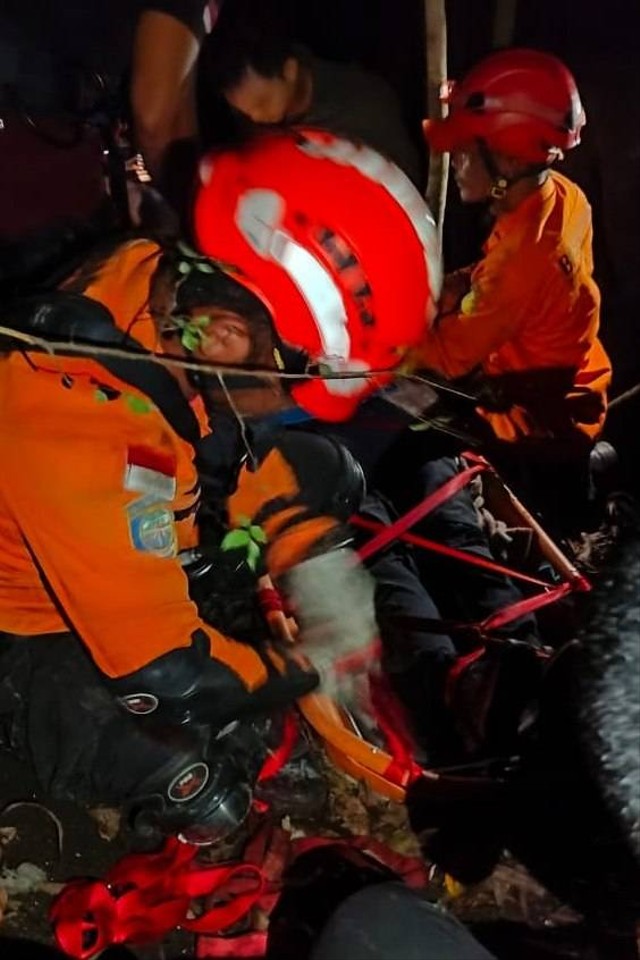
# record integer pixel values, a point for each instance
(523, 321)
(98, 503)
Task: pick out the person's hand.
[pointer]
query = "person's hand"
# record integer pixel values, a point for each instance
(455, 286)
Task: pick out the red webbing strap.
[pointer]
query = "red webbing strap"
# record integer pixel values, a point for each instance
(428, 505)
(412, 870)
(452, 552)
(277, 759)
(246, 945)
(458, 667)
(390, 717)
(145, 896)
(523, 607)
(508, 614)
(399, 530)
(275, 851)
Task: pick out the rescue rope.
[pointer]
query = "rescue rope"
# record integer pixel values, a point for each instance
(240, 420)
(623, 397)
(61, 348)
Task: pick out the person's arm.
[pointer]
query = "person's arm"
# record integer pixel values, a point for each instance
(455, 286)
(302, 491)
(105, 549)
(289, 494)
(501, 297)
(163, 84)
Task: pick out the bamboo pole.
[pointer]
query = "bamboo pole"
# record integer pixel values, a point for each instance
(436, 48)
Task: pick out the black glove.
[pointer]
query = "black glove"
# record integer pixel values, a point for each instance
(188, 686)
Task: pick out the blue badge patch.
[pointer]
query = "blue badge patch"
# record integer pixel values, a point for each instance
(152, 527)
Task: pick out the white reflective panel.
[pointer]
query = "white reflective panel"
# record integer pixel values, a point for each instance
(379, 169)
(258, 215)
(317, 286)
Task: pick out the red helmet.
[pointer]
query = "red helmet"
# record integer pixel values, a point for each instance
(522, 103)
(338, 243)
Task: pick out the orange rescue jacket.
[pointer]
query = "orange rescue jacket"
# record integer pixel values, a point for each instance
(532, 305)
(98, 494)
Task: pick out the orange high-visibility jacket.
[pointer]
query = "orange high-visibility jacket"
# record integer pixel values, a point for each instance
(532, 304)
(98, 494)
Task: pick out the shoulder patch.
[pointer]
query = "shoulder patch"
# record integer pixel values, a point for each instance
(152, 527)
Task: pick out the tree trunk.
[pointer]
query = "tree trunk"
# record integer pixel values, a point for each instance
(436, 39)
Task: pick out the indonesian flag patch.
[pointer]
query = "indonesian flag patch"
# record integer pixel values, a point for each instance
(151, 473)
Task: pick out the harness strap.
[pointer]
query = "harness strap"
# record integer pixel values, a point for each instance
(145, 896)
(417, 513)
(452, 552)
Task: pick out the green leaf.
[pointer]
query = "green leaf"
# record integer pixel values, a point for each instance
(137, 404)
(257, 533)
(184, 267)
(253, 554)
(242, 521)
(190, 339)
(236, 538)
(200, 322)
(185, 249)
(100, 396)
(204, 267)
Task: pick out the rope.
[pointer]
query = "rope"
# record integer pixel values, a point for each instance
(62, 347)
(623, 397)
(240, 420)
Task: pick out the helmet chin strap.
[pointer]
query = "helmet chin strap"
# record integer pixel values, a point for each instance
(499, 183)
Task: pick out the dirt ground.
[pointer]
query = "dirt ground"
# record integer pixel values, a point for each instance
(44, 843)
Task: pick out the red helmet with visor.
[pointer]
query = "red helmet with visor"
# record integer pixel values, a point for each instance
(521, 103)
(340, 246)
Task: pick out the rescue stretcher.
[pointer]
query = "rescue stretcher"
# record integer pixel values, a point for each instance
(390, 772)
